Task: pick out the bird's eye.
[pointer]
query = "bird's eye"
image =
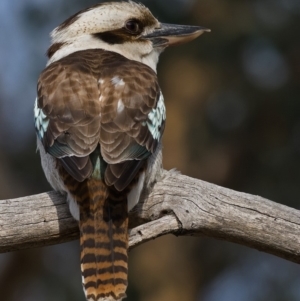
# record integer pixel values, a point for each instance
(133, 26)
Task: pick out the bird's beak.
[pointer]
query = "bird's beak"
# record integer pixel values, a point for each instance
(172, 34)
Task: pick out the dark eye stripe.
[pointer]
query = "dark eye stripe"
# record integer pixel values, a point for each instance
(131, 29)
(111, 37)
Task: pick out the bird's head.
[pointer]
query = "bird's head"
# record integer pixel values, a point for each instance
(127, 28)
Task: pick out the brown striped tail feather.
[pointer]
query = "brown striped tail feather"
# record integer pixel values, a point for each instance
(103, 241)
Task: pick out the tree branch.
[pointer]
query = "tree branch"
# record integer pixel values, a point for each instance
(177, 204)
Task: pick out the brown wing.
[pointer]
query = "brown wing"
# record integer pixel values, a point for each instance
(96, 97)
(128, 94)
(69, 99)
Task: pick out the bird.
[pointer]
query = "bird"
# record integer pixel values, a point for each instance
(99, 117)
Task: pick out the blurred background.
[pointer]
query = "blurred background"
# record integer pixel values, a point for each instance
(233, 107)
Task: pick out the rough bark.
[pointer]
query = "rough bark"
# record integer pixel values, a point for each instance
(177, 204)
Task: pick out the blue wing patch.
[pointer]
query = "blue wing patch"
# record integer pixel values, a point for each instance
(156, 118)
(41, 121)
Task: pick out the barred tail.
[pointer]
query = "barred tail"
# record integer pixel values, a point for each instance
(103, 241)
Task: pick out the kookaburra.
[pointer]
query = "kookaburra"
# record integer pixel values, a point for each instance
(99, 118)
